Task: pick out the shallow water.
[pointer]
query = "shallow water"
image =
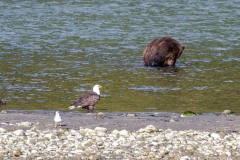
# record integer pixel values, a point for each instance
(53, 51)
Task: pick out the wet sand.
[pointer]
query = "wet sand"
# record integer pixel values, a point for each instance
(211, 122)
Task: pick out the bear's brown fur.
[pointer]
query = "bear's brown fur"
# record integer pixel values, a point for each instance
(162, 52)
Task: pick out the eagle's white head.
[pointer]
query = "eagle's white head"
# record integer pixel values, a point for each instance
(96, 89)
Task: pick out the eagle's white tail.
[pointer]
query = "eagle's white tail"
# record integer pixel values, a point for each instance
(72, 107)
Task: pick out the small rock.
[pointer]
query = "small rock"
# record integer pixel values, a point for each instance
(169, 135)
(100, 134)
(228, 153)
(87, 143)
(2, 130)
(73, 132)
(34, 151)
(49, 135)
(17, 152)
(37, 124)
(100, 129)
(185, 158)
(77, 151)
(124, 133)
(4, 111)
(226, 111)
(119, 151)
(222, 134)
(19, 132)
(115, 132)
(101, 115)
(215, 136)
(31, 141)
(149, 129)
(24, 124)
(172, 120)
(131, 115)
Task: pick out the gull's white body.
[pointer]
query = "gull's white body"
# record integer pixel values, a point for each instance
(57, 118)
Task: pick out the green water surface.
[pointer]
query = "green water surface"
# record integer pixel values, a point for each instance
(53, 51)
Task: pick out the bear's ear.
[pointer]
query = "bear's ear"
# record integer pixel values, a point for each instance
(183, 47)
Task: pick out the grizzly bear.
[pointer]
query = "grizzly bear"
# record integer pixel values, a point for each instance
(162, 52)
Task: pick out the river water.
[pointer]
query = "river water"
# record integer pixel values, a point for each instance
(53, 51)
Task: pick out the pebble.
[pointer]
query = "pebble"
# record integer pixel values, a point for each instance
(2, 130)
(149, 129)
(226, 111)
(215, 135)
(17, 152)
(101, 115)
(4, 111)
(99, 143)
(100, 129)
(24, 124)
(185, 158)
(19, 132)
(131, 115)
(124, 133)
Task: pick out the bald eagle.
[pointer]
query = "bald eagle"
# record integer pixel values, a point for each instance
(88, 101)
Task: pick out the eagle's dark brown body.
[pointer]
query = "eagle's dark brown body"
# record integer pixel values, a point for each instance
(87, 101)
(2, 102)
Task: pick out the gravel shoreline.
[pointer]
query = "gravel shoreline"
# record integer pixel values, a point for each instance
(99, 143)
(32, 135)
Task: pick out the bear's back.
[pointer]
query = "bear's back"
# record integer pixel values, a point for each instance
(162, 52)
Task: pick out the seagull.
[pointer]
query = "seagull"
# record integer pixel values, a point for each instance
(57, 118)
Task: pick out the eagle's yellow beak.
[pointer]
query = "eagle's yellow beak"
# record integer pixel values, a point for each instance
(100, 87)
